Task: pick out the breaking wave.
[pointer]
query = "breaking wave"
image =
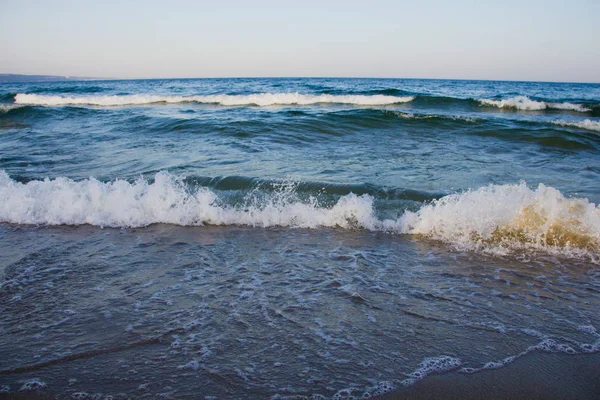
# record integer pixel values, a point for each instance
(4, 108)
(261, 99)
(495, 219)
(63, 201)
(526, 104)
(585, 124)
(500, 218)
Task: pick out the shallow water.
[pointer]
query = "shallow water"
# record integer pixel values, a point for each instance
(245, 312)
(343, 241)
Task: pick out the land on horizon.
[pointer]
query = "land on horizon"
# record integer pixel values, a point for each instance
(41, 78)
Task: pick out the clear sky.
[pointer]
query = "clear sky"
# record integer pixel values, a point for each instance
(546, 40)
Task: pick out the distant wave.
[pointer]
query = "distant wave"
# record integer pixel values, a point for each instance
(261, 99)
(526, 104)
(415, 116)
(84, 88)
(586, 124)
(373, 98)
(495, 219)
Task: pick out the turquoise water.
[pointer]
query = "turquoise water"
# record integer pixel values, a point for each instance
(253, 238)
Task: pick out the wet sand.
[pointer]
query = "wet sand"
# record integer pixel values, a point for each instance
(534, 377)
(539, 376)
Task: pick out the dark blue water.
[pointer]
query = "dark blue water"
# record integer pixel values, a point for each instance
(292, 236)
(443, 140)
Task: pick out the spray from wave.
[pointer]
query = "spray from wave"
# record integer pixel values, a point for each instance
(526, 104)
(261, 99)
(495, 219)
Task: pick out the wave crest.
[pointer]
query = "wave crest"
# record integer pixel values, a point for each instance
(63, 201)
(526, 104)
(585, 124)
(4, 108)
(498, 218)
(261, 99)
(494, 219)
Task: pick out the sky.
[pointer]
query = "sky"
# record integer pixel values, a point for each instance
(549, 40)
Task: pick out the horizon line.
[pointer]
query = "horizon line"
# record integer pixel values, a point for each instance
(92, 78)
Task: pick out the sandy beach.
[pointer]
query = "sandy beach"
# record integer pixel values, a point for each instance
(534, 377)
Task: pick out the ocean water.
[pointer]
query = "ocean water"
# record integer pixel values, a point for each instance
(292, 238)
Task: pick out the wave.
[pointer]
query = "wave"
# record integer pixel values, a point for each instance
(81, 88)
(586, 124)
(63, 201)
(494, 219)
(418, 116)
(242, 183)
(369, 98)
(4, 108)
(387, 92)
(500, 218)
(261, 99)
(526, 104)
(7, 97)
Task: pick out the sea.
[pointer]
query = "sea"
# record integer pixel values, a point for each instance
(283, 238)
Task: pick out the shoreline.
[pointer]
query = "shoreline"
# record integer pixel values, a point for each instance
(540, 376)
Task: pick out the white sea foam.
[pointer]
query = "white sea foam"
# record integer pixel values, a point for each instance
(568, 106)
(122, 204)
(495, 218)
(498, 218)
(260, 99)
(432, 365)
(32, 384)
(525, 103)
(585, 124)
